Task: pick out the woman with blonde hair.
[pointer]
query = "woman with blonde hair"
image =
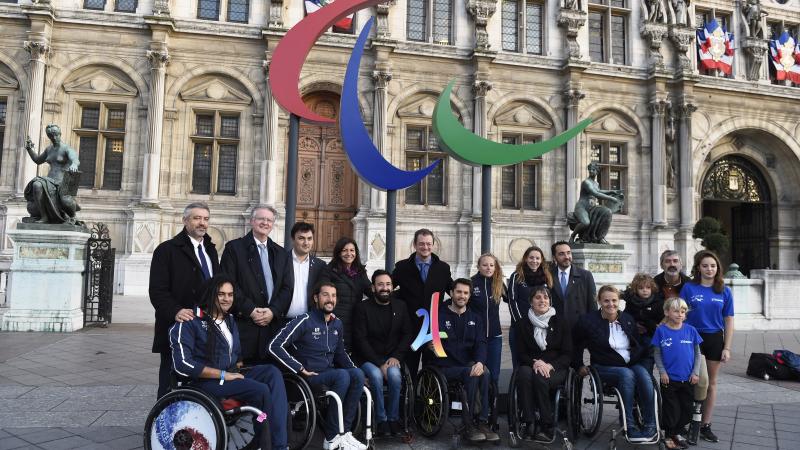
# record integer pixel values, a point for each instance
(532, 271)
(487, 292)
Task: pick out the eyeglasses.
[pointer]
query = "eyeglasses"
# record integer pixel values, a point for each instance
(264, 219)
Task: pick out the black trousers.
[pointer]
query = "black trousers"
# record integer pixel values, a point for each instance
(676, 405)
(534, 392)
(164, 372)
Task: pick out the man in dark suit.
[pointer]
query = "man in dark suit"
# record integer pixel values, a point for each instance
(263, 274)
(418, 277)
(382, 336)
(573, 288)
(177, 272)
(308, 270)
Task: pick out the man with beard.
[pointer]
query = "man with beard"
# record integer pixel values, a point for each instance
(382, 335)
(318, 355)
(574, 291)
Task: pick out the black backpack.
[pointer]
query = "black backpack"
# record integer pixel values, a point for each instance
(761, 364)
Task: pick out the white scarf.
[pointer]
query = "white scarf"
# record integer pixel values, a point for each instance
(540, 324)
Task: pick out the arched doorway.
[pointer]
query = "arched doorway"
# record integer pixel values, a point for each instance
(736, 193)
(326, 184)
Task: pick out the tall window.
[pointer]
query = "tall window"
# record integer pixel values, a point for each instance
(238, 10)
(94, 4)
(704, 16)
(216, 144)
(208, 9)
(520, 181)
(611, 157)
(3, 108)
(422, 148)
(608, 32)
(420, 28)
(101, 147)
(125, 6)
(522, 26)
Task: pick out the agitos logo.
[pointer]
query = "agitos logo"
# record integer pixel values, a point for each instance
(287, 62)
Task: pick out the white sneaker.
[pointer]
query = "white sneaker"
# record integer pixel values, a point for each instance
(353, 442)
(334, 443)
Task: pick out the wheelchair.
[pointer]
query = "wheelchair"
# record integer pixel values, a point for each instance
(564, 406)
(187, 417)
(436, 401)
(594, 393)
(406, 404)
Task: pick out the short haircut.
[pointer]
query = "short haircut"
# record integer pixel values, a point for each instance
(556, 244)
(666, 254)
(642, 280)
(607, 288)
(263, 206)
(423, 232)
(378, 273)
(195, 205)
(302, 227)
(540, 288)
(465, 281)
(675, 303)
(318, 287)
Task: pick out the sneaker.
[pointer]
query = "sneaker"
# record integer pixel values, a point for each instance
(353, 442)
(707, 434)
(490, 435)
(636, 435)
(650, 433)
(383, 429)
(693, 433)
(395, 428)
(473, 435)
(332, 443)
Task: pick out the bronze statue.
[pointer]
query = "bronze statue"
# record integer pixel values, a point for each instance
(591, 220)
(51, 199)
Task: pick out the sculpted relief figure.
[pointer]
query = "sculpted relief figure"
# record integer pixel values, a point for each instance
(574, 5)
(591, 220)
(681, 8)
(655, 11)
(753, 14)
(51, 199)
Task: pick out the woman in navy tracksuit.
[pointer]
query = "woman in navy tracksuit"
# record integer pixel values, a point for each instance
(487, 292)
(532, 271)
(206, 349)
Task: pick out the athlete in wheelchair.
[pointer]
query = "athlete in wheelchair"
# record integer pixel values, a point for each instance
(619, 361)
(217, 403)
(317, 353)
(461, 373)
(544, 349)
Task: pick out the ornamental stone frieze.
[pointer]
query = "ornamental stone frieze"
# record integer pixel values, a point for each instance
(572, 19)
(382, 31)
(275, 14)
(653, 30)
(481, 11)
(682, 38)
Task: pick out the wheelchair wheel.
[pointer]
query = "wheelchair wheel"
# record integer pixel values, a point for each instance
(569, 394)
(515, 413)
(185, 418)
(407, 397)
(589, 402)
(302, 411)
(431, 402)
(240, 431)
(493, 423)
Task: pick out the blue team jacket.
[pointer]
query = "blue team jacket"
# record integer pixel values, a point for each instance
(188, 342)
(309, 342)
(484, 305)
(466, 339)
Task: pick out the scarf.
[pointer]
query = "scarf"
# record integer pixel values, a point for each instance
(351, 271)
(534, 278)
(540, 324)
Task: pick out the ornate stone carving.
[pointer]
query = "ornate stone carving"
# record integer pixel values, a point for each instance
(752, 16)
(653, 11)
(481, 87)
(275, 14)
(161, 7)
(574, 5)
(572, 20)
(158, 58)
(755, 48)
(382, 30)
(39, 50)
(654, 34)
(685, 109)
(381, 79)
(681, 10)
(481, 11)
(659, 107)
(682, 37)
(573, 96)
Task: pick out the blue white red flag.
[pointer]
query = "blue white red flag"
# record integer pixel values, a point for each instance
(715, 47)
(199, 313)
(785, 56)
(344, 25)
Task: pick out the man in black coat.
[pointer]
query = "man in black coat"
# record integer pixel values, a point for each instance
(382, 336)
(247, 260)
(574, 292)
(177, 272)
(418, 277)
(671, 280)
(308, 270)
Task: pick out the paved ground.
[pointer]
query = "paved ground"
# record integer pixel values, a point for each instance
(93, 389)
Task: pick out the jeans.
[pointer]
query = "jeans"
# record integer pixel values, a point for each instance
(630, 380)
(494, 352)
(262, 388)
(348, 384)
(394, 379)
(472, 385)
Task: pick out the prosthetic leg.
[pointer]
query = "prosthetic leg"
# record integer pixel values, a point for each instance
(700, 393)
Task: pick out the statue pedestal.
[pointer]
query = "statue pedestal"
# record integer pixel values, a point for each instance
(606, 262)
(45, 288)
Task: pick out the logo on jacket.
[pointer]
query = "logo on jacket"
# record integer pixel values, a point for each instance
(471, 323)
(447, 324)
(335, 332)
(666, 342)
(316, 333)
(430, 322)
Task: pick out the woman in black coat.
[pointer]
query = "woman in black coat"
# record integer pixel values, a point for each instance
(532, 270)
(350, 277)
(544, 349)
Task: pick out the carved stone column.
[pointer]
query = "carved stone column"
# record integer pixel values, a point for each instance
(268, 179)
(479, 89)
(155, 122)
(654, 34)
(275, 14)
(39, 51)
(377, 198)
(572, 98)
(686, 177)
(658, 107)
(382, 30)
(682, 37)
(755, 49)
(481, 11)
(572, 20)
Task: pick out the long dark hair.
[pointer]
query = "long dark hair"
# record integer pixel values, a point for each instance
(209, 304)
(336, 262)
(544, 267)
(719, 283)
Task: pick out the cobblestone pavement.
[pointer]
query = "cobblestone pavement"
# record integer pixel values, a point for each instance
(93, 389)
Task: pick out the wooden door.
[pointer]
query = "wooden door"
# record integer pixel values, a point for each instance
(326, 184)
(750, 236)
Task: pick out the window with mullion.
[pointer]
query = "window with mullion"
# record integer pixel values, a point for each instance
(422, 149)
(442, 21)
(618, 39)
(94, 4)
(238, 10)
(87, 155)
(208, 9)
(112, 165)
(611, 158)
(125, 6)
(216, 148)
(201, 168)
(596, 36)
(608, 33)
(533, 27)
(519, 182)
(522, 26)
(101, 145)
(510, 25)
(416, 20)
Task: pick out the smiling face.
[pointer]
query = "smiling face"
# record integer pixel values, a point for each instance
(609, 304)
(676, 316)
(302, 242)
(671, 265)
(460, 295)
(708, 268)
(326, 299)
(261, 222)
(348, 254)
(424, 245)
(563, 256)
(486, 266)
(225, 297)
(540, 302)
(382, 288)
(196, 223)
(534, 260)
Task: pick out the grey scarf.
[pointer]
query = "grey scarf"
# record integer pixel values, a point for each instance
(540, 324)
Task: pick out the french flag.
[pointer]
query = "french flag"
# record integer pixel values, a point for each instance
(715, 47)
(785, 58)
(344, 25)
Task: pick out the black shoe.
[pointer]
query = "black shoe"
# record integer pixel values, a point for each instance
(383, 429)
(680, 441)
(395, 428)
(545, 434)
(693, 433)
(530, 431)
(490, 435)
(707, 434)
(474, 435)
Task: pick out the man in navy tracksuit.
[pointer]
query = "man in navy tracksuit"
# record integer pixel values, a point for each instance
(318, 354)
(465, 347)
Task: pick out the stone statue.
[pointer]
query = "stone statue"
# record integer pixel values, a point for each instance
(591, 220)
(753, 14)
(655, 11)
(574, 5)
(51, 199)
(681, 8)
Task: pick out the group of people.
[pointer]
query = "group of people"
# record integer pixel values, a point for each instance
(265, 309)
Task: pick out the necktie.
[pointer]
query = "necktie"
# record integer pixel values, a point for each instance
(203, 263)
(264, 254)
(423, 271)
(563, 285)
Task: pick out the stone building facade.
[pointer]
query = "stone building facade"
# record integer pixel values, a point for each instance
(167, 102)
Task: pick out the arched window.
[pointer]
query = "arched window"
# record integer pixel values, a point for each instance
(734, 178)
